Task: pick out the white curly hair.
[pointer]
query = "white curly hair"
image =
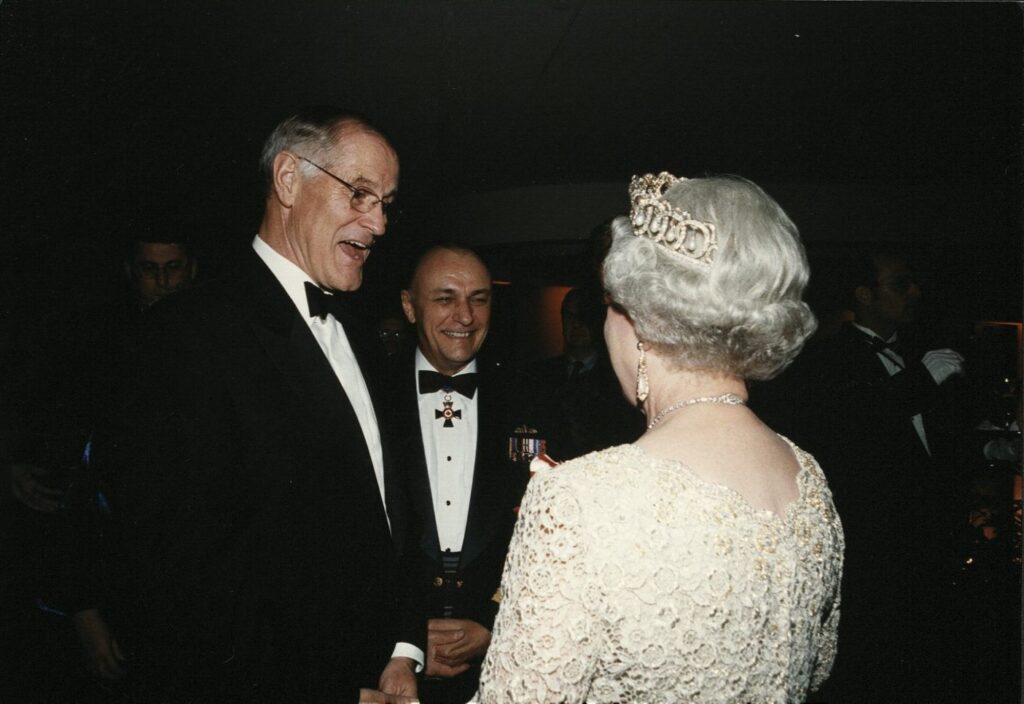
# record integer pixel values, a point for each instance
(743, 315)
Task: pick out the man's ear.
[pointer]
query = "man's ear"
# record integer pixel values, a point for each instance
(287, 179)
(864, 295)
(410, 312)
(193, 268)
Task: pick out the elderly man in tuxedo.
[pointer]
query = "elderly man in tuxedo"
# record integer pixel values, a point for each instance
(469, 430)
(262, 523)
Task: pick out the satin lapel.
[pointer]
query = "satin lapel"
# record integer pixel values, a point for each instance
(870, 368)
(489, 455)
(415, 456)
(369, 355)
(335, 435)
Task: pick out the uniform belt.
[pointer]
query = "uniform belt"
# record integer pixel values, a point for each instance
(448, 582)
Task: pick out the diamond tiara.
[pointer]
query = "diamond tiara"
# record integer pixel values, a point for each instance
(654, 218)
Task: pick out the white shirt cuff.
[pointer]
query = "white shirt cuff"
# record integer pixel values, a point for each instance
(408, 650)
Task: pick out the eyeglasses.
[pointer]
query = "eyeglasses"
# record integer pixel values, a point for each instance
(153, 270)
(363, 200)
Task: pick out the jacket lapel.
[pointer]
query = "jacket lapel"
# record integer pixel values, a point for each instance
(415, 457)
(335, 436)
(481, 519)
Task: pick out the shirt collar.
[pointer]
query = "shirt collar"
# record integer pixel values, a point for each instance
(589, 362)
(291, 277)
(871, 333)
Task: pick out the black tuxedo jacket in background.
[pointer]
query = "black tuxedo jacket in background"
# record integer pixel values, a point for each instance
(264, 566)
(857, 419)
(506, 400)
(897, 504)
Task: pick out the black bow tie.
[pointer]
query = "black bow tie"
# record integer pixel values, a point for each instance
(878, 345)
(430, 382)
(320, 304)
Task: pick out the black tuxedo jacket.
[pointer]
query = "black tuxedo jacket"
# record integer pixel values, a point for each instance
(498, 486)
(857, 419)
(840, 403)
(507, 400)
(896, 501)
(264, 564)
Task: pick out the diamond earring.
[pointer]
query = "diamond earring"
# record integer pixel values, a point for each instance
(642, 387)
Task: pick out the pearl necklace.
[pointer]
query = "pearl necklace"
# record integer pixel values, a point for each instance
(727, 399)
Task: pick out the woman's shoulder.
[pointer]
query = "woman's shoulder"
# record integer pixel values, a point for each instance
(809, 466)
(589, 477)
(596, 464)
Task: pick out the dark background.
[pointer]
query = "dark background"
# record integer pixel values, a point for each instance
(897, 122)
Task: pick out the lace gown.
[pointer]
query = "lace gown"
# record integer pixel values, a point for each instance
(631, 579)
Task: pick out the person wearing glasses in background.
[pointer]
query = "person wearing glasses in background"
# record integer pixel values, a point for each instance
(56, 379)
(260, 522)
(158, 266)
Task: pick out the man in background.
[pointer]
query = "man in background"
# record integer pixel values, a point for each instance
(158, 266)
(864, 403)
(463, 422)
(593, 412)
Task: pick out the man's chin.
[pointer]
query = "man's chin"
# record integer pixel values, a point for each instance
(346, 283)
(459, 359)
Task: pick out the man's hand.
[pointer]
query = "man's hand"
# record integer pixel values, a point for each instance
(452, 643)
(28, 488)
(102, 653)
(374, 696)
(399, 677)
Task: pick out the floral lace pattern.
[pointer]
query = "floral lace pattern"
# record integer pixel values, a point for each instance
(631, 578)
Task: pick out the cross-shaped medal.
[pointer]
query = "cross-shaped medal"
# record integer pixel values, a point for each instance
(448, 413)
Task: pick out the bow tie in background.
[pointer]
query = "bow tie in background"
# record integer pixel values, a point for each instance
(880, 345)
(430, 382)
(321, 304)
(877, 344)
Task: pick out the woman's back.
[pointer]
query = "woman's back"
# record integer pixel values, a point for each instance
(729, 445)
(633, 578)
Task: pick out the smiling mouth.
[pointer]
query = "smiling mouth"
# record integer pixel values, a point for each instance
(356, 244)
(457, 335)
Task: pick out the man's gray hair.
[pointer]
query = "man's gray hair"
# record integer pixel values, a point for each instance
(311, 133)
(743, 315)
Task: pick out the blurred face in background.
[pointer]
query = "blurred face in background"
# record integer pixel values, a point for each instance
(391, 331)
(576, 329)
(892, 302)
(158, 269)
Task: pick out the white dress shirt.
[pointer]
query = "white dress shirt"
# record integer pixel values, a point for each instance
(330, 335)
(450, 454)
(894, 364)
